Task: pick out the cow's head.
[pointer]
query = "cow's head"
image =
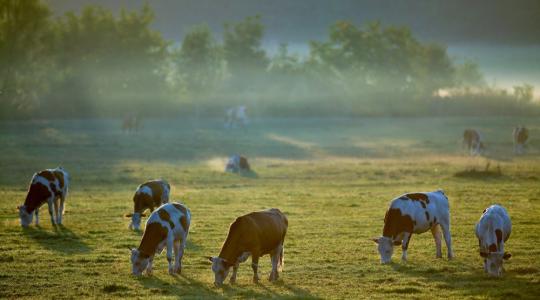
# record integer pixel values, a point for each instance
(139, 262)
(26, 217)
(385, 248)
(493, 262)
(135, 221)
(221, 268)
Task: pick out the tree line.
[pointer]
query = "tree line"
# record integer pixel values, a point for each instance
(95, 63)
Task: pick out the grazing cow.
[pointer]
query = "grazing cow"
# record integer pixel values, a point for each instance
(236, 116)
(415, 213)
(520, 136)
(131, 122)
(493, 230)
(51, 186)
(255, 234)
(237, 163)
(168, 226)
(473, 141)
(148, 195)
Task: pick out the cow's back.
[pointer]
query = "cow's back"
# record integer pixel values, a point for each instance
(494, 217)
(264, 229)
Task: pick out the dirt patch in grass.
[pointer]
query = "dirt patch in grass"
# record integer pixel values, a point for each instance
(114, 288)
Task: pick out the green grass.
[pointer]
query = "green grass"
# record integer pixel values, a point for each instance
(333, 179)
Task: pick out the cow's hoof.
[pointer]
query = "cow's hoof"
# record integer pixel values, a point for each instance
(232, 281)
(438, 256)
(255, 279)
(171, 271)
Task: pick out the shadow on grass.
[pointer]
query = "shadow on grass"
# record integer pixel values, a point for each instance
(61, 239)
(471, 280)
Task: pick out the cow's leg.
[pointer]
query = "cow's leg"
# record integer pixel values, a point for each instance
(36, 212)
(437, 236)
(447, 238)
(178, 253)
(255, 266)
(170, 244)
(61, 209)
(150, 266)
(51, 203)
(405, 245)
(234, 271)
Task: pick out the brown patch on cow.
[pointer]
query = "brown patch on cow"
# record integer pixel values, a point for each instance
(484, 211)
(427, 215)
(141, 202)
(37, 195)
(154, 234)
(60, 176)
(183, 222)
(47, 175)
(164, 215)
(434, 220)
(423, 204)
(492, 248)
(181, 208)
(396, 223)
(244, 163)
(418, 197)
(498, 233)
(157, 191)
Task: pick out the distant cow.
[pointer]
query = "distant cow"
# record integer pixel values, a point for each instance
(472, 140)
(237, 163)
(520, 136)
(415, 213)
(493, 230)
(168, 226)
(48, 186)
(132, 122)
(236, 116)
(148, 195)
(255, 234)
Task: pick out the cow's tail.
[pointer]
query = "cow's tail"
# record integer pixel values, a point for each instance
(281, 258)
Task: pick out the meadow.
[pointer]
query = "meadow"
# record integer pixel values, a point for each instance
(333, 178)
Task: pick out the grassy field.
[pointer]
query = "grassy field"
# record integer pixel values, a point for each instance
(333, 178)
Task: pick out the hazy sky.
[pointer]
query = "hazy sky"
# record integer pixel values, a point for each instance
(502, 36)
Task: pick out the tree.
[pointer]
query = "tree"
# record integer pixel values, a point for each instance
(25, 54)
(468, 75)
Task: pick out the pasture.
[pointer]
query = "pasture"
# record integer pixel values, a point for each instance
(334, 179)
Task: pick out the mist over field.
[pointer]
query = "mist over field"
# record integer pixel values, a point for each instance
(351, 58)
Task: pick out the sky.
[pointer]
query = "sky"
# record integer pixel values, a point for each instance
(502, 36)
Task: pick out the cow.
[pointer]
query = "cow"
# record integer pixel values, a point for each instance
(167, 226)
(255, 234)
(148, 195)
(493, 230)
(520, 136)
(415, 213)
(472, 140)
(48, 186)
(237, 163)
(131, 122)
(236, 116)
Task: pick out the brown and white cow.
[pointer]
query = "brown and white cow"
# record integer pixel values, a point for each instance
(472, 140)
(148, 195)
(168, 226)
(520, 136)
(415, 213)
(131, 123)
(493, 230)
(237, 163)
(255, 234)
(48, 186)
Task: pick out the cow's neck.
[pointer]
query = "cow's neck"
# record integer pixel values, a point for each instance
(153, 235)
(231, 249)
(33, 200)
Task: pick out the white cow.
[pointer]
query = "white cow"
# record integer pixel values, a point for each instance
(415, 213)
(493, 230)
(48, 186)
(236, 116)
(168, 226)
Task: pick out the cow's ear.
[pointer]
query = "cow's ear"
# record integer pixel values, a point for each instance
(128, 215)
(397, 243)
(483, 254)
(210, 258)
(376, 240)
(143, 215)
(507, 255)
